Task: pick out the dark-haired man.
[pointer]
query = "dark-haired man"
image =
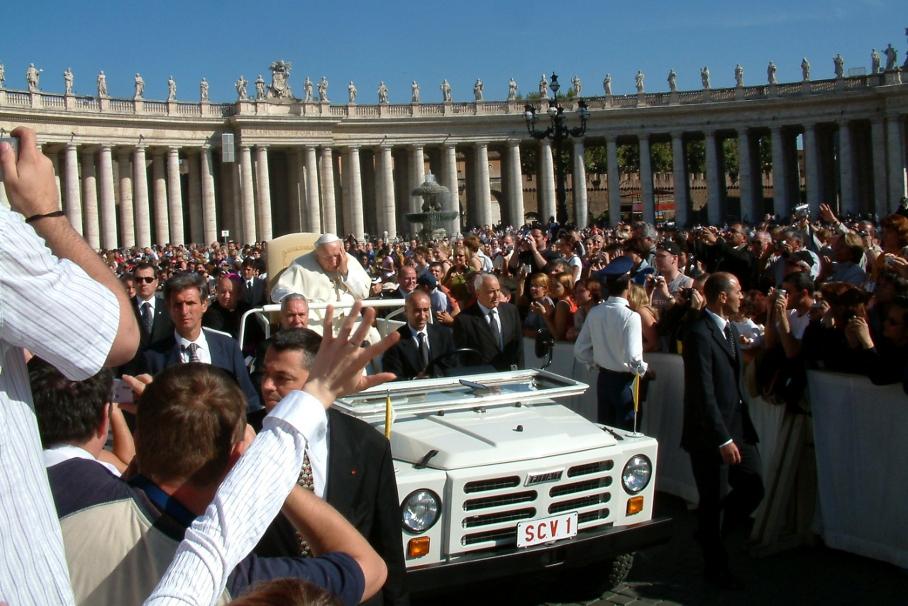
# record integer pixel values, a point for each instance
(718, 432)
(151, 312)
(419, 342)
(186, 296)
(254, 294)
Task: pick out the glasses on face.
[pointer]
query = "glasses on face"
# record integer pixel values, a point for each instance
(145, 279)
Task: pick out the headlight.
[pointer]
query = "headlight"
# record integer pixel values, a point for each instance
(419, 511)
(636, 474)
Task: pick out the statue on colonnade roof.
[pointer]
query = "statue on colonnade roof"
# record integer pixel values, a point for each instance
(33, 77)
(140, 86)
(414, 92)
(891, 58)
(576, 85)
(307, 90)
(771, 73)
(68, 81)
(203, 89)
(543, 86)
(672, 81)
(241, 91)
(839, 64)
(805, 69)
(323, 90)
(446, 91)
(512, 89)
(638, 81)
(171, 89)
(704, 77)
(739, 75)
(875, 60)
(280, 80)
(259, 88)
(382, 93)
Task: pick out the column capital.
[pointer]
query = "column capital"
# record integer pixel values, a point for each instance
(481, 144)
(384, 146)
(416, 146)
(171, 149)
(262, 146)
(72, 145)
(352, 147)
(106, 147)
(676, 134)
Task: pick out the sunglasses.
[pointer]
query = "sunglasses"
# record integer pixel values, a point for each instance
(145, 279)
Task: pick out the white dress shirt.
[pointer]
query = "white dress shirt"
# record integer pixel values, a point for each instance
(612, 338)
(56, 311)
(203, 351)
(150, 301)
(245, 504)
(64, 452)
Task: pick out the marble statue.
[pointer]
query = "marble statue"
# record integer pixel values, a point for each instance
(839, 63)
(739, 75)
(382, 93)
(241, 93)
(576, 85)
(805, 69)
(351, 92)
(323, 90)
(704, 77)
(68, 81)
(477, 90)
(203, 89)
(140, 86)
(607, 85)
(891, 58)
(672, 81)
(638, 81)
(771, 73)
(2, 75)
(512, 89)
(280, 80)
(543, 86)
(259, 88)
(102, 84)
(171, 89)
(414, 91)
(875, 61)
(446, 91)
(307, 90)
(33, 77)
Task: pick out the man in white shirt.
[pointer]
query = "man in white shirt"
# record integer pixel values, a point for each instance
(612, 340)
(672, 281)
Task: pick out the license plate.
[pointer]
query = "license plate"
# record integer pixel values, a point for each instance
(546, 530)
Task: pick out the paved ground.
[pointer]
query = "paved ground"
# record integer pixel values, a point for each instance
(671, 574)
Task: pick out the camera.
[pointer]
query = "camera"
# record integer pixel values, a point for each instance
(14, 143)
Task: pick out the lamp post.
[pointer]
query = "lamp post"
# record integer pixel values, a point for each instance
(557, 132)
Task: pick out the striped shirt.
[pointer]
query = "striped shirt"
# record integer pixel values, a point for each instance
(55, 310)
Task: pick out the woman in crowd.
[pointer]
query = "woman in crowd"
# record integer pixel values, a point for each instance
(456, 278)
(537, 303)
(560, 319)
(639, 302)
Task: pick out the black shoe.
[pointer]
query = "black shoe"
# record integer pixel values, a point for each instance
(724, 579)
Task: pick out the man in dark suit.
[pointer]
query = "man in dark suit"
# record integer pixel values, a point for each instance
(186, 296)
(420, 342)
(718, 433)
(490, 326)
(253, 287)
(355, 476)
(151, 314)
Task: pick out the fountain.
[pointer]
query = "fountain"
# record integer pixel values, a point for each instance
(433, 216)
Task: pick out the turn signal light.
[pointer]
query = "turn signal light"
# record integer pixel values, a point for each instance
(418, 547)
(634, 505)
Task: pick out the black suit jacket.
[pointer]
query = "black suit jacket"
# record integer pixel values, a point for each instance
(225, 353)
(403, 359)
(714, 408)
(161, 330)
(362, 487)
(471, 329)
(255, 296)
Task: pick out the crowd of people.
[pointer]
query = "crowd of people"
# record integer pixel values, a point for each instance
(240, 468)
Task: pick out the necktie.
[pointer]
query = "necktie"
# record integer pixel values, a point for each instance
(493, 324)
(193, 350)
(730, 339)
(306, 482)
(423, 349)
(147, 317)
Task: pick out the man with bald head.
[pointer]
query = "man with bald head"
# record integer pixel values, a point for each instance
(420, 342)
(328, 274)
(491, 326)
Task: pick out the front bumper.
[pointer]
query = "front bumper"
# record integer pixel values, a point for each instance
(581, 550)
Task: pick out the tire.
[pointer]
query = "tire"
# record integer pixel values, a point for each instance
(593, 580)
(617, 570)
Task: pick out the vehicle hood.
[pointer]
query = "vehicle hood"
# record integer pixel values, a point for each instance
(469, 438)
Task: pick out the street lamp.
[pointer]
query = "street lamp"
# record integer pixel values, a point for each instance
(557, 132)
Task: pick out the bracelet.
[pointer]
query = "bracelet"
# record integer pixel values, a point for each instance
(56, 213)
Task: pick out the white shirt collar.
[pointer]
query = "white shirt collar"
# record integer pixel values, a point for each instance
(142, 302)
(64, 452)
(203, 352)
(485, 310)
(719, 320)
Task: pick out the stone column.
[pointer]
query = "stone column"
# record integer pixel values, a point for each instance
(159, 178)
(263, 192)
(750, 183)
(581, 204)
(312, 221)
(646, 180)
(327, 191)
(895, 130)
(55, 160)
(483, 212)
(781, 199)
(353, 196)
(72, 194)
(194, 197)
(127, 222)
(247, 186)
(679, 177)
(880, 189)
(108, 204)
(140, 184)
(387, 217)
(90, 198)
(713, 180)
(848, 202)
(546, 186)
(209, 207)
(175, 196)
(449, 180)
(515, 183)
(417, 175)
(812, 168)
(296, 179)
(614, 181)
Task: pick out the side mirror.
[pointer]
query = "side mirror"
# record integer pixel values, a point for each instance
(545, 345)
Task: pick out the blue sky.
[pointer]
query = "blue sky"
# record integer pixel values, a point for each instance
(430, 40)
